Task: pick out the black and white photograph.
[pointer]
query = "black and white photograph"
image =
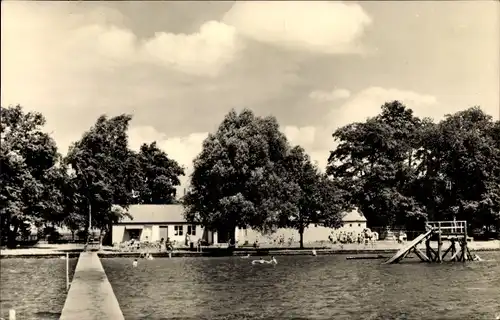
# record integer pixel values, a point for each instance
(241, 160)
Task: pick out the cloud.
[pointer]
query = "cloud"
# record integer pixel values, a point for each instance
(83, 43)
(74, 62)
(325, 96)
(367, 103)
(300, 136)
(324, 27)
(205, 52)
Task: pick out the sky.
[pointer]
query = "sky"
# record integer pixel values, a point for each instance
(179, 67)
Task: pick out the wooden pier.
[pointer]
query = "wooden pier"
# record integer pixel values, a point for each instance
(453, 231)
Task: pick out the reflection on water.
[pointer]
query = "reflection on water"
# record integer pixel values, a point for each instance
(305, 287)
(35, 288)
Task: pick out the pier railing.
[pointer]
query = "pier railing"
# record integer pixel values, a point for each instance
(448, 227)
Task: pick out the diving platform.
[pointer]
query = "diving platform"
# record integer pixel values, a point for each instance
(453, 231)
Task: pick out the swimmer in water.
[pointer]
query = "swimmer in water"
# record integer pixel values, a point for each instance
(261, 261)
(135, 263)
(314, 252)
(246, 257)
(273, 260)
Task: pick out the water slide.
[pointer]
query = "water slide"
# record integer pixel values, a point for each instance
(407, 247)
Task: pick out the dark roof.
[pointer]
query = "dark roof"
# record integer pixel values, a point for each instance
(155, 213)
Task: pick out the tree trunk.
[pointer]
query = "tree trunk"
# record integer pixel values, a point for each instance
(5, 225)
(12, 235)
(233, 236)
(301, 235)
(108, 236)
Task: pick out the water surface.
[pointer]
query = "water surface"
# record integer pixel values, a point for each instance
(35, 288)
(305, 287)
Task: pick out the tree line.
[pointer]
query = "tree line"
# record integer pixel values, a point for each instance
(100, 174)
(397, 169)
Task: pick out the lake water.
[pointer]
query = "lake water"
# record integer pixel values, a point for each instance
(35, 288)
(305, 287)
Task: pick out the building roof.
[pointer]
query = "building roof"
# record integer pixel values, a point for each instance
(172, 213)
(155, 213)
(353, 216)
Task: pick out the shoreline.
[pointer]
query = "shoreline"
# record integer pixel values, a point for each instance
(348, 249)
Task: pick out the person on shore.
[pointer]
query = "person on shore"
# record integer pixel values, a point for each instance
(135, 263)
(161, 244)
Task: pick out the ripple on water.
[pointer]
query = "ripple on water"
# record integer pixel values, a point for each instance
(35, 288)
(302, 287)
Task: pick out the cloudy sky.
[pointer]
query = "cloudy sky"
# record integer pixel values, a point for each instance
(179, 67)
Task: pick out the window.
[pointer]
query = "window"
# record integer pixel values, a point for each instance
(350, 224)
(178, 230)
(191, 230)
(359, 224)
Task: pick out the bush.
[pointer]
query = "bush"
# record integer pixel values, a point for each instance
(53, 236)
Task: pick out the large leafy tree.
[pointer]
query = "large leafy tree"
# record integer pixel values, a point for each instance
(159, 176)
(105, 171)
(318, 201)
(375, 162)
(461, 169)
(29, 176)
(239, 177)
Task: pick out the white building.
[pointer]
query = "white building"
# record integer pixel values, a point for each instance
(154, 222)
(353, 221)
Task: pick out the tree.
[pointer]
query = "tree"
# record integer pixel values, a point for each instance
(375, 162)
(239, 178)
(159, 175)
(461, 169)
(29, 161)
(318, 201)
(105, 171)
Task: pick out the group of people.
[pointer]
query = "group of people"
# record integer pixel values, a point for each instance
(345, 237)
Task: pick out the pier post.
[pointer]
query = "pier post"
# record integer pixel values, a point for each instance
(453, 250)
(464, 245)
(428, 250)
(440, 244)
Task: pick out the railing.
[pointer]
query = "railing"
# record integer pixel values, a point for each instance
(448, 227)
